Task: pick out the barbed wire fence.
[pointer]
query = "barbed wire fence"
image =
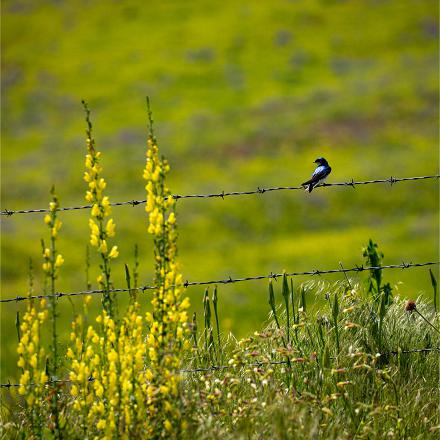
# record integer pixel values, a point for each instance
(212, 368)
(229, 280)
(352, 183)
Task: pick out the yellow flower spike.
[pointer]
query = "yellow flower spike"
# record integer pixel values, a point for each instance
(47, 219)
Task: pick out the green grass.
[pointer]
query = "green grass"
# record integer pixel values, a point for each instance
(243, 96)
(326, 393)
(308, 385)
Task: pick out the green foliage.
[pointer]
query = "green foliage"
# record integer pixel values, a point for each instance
(373, 259)
(380, 294)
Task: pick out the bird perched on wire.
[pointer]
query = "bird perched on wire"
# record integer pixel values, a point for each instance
(319, 175)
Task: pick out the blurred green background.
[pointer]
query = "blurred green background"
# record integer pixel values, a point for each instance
(244, 94)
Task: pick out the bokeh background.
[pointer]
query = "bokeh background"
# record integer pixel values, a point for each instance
(244, 94)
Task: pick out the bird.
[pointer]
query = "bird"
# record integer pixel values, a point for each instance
(319, 175)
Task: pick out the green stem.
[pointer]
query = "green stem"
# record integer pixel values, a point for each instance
(435, 328)
(54, 369)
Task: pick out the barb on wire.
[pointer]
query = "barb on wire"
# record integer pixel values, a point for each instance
(210, 368)
(392, 180)
(228, 280)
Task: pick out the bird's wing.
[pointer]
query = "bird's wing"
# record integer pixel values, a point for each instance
(320, 173)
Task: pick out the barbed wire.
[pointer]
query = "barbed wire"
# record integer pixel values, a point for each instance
(229, 280)
(212, 368)
(391, 180)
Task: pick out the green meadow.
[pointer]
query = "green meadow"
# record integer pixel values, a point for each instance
(244, 95)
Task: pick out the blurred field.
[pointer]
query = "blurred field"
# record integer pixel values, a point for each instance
(243, 96)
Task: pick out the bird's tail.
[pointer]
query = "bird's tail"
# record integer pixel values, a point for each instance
(308, 186)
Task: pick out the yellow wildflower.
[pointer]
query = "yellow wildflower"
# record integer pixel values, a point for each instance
(114, 252)
(110, 228)
(59, 260)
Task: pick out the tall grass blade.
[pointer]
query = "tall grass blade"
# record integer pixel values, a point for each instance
(194, 330)
(286, 303)
(87, 269)
(209, 339)
(303, 299)
(17, 325)
(272, 304)
(128, 281)
(215, 305)
(136, 267)
(335, 314)
(292, 300)
(434, 287)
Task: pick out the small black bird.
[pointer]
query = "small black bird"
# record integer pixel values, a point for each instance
(319, 175)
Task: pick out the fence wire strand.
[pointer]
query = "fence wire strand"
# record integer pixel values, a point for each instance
(213, 368)
(229, 280)
(391, 180)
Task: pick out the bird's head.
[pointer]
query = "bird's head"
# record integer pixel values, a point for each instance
(321, 161)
